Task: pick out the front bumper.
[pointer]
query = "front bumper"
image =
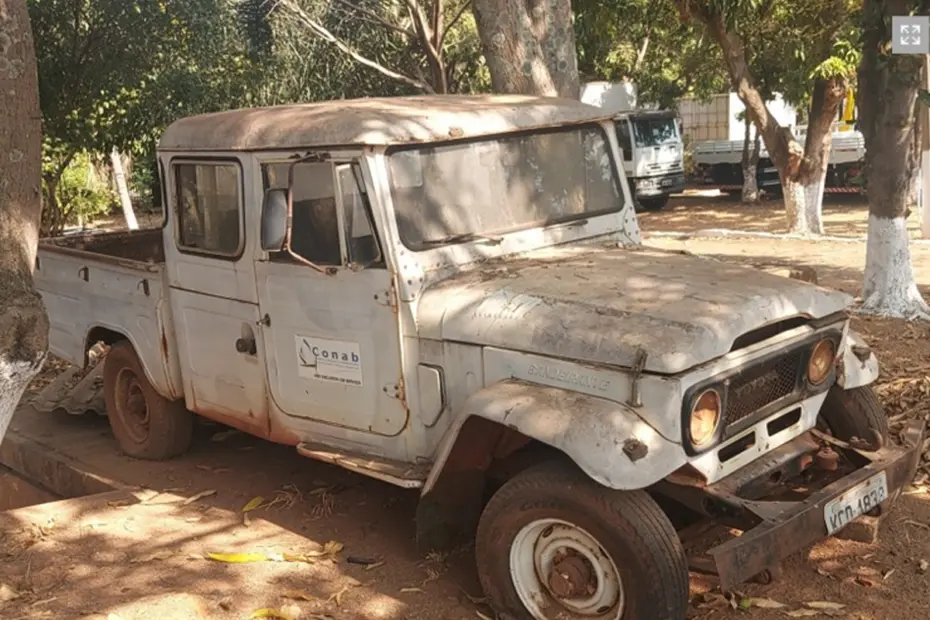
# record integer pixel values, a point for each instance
(780, 528)
(659, 185)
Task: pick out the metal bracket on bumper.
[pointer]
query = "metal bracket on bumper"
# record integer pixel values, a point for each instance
(782, 528)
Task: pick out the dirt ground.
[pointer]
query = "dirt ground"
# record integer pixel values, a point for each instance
(379, 574)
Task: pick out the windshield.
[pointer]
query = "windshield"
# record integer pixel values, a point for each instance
(469, 190)
(654, 131)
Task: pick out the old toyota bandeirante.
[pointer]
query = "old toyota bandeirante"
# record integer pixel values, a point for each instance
(449, 293)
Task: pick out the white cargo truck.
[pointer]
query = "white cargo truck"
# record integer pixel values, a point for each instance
(716, 132)
(449, 294)
(650, 140)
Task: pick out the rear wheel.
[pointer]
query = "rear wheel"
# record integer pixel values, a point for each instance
(146, 424)
(553, 544)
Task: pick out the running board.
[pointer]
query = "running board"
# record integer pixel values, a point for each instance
(406, 475)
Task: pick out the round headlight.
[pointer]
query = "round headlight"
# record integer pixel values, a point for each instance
(821, 362)
(705, 416)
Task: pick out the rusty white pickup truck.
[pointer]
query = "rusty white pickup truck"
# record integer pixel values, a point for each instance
(450, 294)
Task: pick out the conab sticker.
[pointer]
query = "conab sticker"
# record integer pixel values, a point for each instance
(329, 360)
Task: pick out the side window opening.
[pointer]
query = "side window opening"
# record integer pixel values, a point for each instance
(623, 135)
(208, 204)
(361, 241)
(315, 228)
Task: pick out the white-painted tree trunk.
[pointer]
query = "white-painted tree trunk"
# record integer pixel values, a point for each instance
(888, 287)
(24, 323)
(804, 206)
(123, 190)
(15, 376)
(813, 203)
(750, 164)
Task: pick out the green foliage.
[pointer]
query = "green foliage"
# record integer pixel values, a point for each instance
(790, 44)
(647, 42)
(82, 190)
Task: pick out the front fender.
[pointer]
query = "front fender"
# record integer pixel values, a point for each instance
(858, 365)
(607, 440)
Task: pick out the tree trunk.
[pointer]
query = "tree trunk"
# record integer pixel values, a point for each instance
(751, 148)
(529, 46)
(123, 190)
(802, 170)
(23, 320)
(888, 86)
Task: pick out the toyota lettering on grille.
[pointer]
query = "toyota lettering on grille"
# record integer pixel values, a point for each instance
(763, 382)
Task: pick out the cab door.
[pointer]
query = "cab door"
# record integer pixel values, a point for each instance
(333, 340)
(214, 300)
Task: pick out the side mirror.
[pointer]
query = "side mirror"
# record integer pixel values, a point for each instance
(274, 220)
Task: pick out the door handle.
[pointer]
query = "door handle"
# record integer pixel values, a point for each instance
(246, 346)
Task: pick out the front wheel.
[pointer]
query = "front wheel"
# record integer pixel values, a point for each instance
(653, 204)
(856, 413)
(553, 544)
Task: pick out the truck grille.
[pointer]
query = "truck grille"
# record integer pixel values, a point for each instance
(758, 387)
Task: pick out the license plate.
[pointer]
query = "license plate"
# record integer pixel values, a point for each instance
(665, 182)
(855, 502)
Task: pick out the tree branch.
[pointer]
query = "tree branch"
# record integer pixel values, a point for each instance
(437, 23)
(322, 32)
(455, 18)
(425, 36)
(375, 18)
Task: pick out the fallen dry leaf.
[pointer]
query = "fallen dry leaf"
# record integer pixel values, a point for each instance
(199, 496)
(923, 566)
(158, 555)
(865, 581)
(7, 593)
(411, 589)
(254, 503)
(298, 595)
(764, 603)
(336, 597)
(825, 605)
(802, 613)
(268, 612)
(244, 558)
(224, 435)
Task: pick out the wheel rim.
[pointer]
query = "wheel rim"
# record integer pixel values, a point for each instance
(133, 410)
(558, 567)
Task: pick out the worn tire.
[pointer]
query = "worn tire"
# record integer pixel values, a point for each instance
(855, 413)
(628, 526)
(162, 430)
(653, 204)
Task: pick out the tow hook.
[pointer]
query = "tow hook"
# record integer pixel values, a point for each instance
(827, 459)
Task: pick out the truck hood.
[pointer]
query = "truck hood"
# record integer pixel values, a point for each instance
(602, 306)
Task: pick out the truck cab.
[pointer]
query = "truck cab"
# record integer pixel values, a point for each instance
(653, 155)
(450, 294)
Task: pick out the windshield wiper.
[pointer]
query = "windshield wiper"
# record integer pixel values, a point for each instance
(463, 237)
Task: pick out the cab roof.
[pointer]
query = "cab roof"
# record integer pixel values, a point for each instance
(373, 121)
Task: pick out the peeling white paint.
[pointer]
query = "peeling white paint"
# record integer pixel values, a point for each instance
(14, 378)
(888, 286)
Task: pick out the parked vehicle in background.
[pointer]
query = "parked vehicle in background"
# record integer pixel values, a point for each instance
(718, 162)
(449, 294)
(653, 153)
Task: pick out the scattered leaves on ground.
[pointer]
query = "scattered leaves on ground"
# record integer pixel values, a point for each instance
(193, 498)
